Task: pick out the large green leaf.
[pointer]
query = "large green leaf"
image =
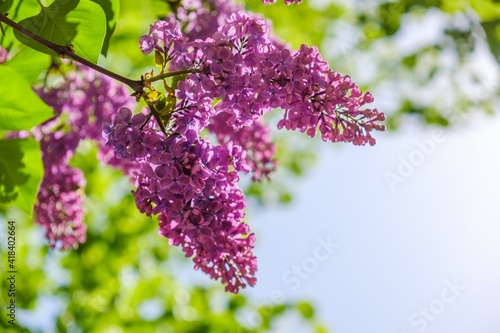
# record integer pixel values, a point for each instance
(20, 9)
(111, 9)
(5, 5)
(21, 171)
(79, 23)
(21, 108)
(488, 10)
(29, 63)
(17, 9)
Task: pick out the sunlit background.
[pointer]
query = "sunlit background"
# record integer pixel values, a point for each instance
(412, 216)
(397, 247)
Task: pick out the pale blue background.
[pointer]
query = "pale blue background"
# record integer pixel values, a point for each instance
(396, 247)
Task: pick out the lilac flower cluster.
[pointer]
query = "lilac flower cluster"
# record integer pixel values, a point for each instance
(319, 99)
(255, 140)
(59, 208)
(81, 108)
(236, 76)
(237, 73)
(4, 55)
(200, 19)
(243, 73)
(192, 186)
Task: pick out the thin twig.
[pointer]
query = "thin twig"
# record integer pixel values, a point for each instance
(67, 52)
(170, 74)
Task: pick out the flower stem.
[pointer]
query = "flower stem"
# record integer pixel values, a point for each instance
(67, 52)
(170, 74)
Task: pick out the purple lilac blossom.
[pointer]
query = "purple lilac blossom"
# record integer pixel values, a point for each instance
(200, 19)
(238, 75)
(59, 206)
(192, 186)
(4, 55)
(242, 69)
(82, 102)
(255, 140)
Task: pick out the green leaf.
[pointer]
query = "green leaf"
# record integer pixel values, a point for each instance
(320, 329)
(492, 30)
(488, 10)
(21, 9)
(79, 23)
(236, 302)
(159, 59)
(306, 310)
(21, 171)
(285, 197)
(5, 5)
(29, 63)
(21, 108)
(111, 9)
(17, 9)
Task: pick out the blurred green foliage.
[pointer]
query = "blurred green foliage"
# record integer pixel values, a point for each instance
(363, 39)
(21, 171)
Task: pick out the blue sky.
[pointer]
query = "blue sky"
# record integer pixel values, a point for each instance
(418, 256)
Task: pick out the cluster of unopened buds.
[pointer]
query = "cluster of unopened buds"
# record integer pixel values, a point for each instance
(203, 127)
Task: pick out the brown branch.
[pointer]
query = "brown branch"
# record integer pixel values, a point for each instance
(67, 52)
